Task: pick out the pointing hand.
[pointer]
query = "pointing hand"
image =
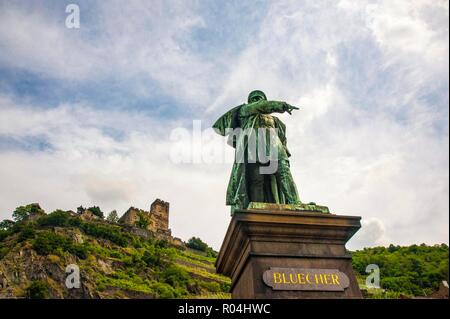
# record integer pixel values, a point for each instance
(290, 108)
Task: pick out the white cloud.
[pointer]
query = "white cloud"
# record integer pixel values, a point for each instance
(134, 41)
(359, 159)
(365, 141)
(371, 234)
(32, 41)
(85, 166)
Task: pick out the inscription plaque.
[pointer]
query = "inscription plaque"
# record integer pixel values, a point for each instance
(305, 279)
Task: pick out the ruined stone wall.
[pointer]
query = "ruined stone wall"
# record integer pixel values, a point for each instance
(176, 242)
(131, 216)
(158, 218)
(159, 214)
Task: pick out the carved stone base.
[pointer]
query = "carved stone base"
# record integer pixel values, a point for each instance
(288, 254)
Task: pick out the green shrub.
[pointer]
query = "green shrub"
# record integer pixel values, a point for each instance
(211, 252)
(38, 289)
(136, 242)
(225, 286)
(180, 292)
(163, 291)
(211, 286)
(194, 287)
(115, 254)
(175, 276)
(101, 286)
(152, 259)
(163, 243)
(57, 218)
(80, 250)
(104, 231)
(4, 234)
(27, 232)
(197, 244)
(136, 262)
(47, 242)
(401, 284)
(143, 221)
(3, 252)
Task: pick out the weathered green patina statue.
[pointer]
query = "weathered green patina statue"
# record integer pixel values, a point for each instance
(248, 182)
(261, 172)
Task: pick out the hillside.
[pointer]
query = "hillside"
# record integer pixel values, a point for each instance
(415, 270)
(122, 261)
(113, 262)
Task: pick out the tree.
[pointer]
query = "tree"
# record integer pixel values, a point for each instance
(197, 243)
(393, 248)
(96, 211)
(6, 224)
(411, 270)
(22, 212)
(112, 217)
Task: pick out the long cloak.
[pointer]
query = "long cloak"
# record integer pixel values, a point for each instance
(237, 193)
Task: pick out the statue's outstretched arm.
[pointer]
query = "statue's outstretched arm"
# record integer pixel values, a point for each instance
(265, 107)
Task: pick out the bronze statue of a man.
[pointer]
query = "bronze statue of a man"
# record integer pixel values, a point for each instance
(251, 179)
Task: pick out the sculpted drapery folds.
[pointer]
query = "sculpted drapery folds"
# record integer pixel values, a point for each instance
(261, 170)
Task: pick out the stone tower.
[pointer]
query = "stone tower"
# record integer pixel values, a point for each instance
(159, 214)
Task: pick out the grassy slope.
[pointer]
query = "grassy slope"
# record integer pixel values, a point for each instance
(118, 266)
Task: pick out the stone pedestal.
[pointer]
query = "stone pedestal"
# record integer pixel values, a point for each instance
(288, 254)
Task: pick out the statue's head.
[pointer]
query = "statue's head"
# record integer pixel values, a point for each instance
(256, 96)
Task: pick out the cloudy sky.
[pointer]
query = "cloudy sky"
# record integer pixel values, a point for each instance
(89, 115)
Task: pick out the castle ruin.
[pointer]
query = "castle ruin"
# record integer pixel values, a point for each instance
(156, 220)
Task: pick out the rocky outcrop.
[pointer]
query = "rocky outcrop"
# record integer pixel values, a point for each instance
(19, 268)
